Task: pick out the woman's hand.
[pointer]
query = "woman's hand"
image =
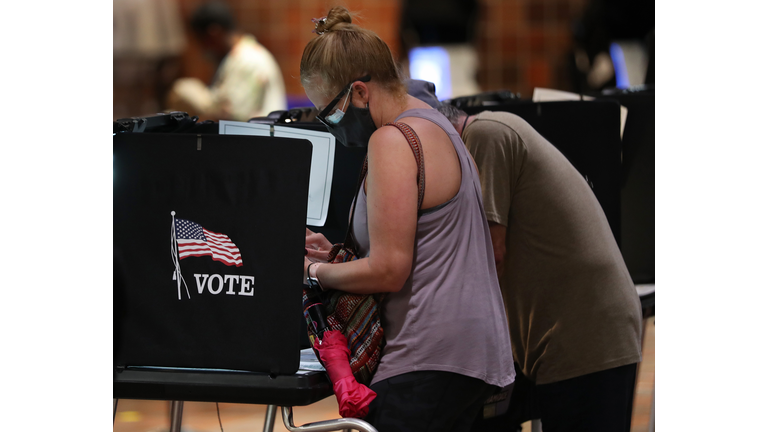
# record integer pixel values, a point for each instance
(317, 248)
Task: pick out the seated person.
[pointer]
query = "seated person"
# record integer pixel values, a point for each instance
(248, 82)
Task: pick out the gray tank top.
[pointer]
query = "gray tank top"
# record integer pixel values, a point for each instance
(449, 316)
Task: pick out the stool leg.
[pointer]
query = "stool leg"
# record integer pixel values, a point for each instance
(176, 409)
(269, 418)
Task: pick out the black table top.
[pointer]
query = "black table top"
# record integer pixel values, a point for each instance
(301, 389)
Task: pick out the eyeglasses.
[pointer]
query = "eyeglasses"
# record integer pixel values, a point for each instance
(327, 110)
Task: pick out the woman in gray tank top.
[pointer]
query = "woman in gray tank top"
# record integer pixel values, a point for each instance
(447, 340)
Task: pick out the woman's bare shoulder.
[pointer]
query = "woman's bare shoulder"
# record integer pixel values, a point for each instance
(425, 129)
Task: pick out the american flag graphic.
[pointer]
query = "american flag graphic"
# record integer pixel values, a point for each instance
(194, 240)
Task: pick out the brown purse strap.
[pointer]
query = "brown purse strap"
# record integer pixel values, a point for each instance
(418, 153)
(415, 143)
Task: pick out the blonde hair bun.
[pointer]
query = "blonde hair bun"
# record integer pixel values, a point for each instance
(338, 18)
(344, 52)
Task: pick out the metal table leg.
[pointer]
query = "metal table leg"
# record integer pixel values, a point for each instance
(269, 418)
(176, 409)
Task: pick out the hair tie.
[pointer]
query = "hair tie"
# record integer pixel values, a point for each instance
(318, 22)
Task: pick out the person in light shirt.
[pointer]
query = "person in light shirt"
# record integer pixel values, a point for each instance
(248, 82)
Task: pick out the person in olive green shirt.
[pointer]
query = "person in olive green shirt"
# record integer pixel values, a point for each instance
(573, 311)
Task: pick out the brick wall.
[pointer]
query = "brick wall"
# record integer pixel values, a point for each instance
(521, 44)
(285, 27)
(524, 44)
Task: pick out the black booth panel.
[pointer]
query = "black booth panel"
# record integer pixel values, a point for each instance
(588, 134)
(638, 196)
(254, 190)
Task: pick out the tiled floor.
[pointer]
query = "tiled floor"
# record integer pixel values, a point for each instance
(153, 416)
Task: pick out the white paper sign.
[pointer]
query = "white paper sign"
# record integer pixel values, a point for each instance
(321, 171)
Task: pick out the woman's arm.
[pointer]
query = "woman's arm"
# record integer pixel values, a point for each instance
(392, 196)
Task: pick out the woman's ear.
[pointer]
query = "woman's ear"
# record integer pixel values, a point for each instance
(360, 94)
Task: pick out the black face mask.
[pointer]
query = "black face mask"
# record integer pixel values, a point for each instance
(355, 127)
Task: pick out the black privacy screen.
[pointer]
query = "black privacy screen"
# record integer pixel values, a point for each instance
(208, 250)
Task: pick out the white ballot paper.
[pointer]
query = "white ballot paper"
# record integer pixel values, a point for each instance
(308, 361)
(321, 171)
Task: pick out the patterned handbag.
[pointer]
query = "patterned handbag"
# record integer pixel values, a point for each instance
(357, 316)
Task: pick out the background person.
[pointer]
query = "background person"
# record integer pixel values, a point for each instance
(574, 314)
(447, 343)
(248, 82)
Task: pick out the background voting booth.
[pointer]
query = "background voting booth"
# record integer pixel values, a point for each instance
(587, 133)
(638, 183)
(609, 139)
(208, 251)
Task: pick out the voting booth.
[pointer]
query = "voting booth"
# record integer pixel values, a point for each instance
(588, 135)
(209, 237)
(638, 181)
(208, 233)
(609, 138)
